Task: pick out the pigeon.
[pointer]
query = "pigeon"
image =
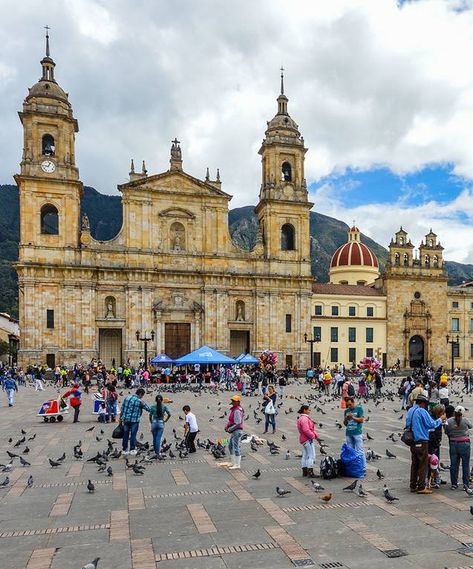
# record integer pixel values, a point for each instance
(61, 458)
(7, 467)
(369, 437)
(138, 470)
(93, 564)
(32, 438)
(351, 486)
(361, 492)
(379, 474)
(30, 481)
(389, 497)
(257, 474)
(281, 492)
(444, 466)
(471, 510)
(26, 451)
(316, 486)
(469, 491)
(12, 454)
(288, 455)
(91, 429)
(24, 462)
(20, 442)
(53, 463)
(326, 497)
(109, 471)
(390, 454)
(5, 483)
(90, 486)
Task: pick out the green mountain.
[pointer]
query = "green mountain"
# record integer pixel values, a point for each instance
(105, 216)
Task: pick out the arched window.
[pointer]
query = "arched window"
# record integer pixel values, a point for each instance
(406, 260)
(401, 240)
(48, 147)
(49, 220)
(397, 259)
(286, 172)
(287, 237)
(435, 261)
(427, 261)
(431, 242)
(178, 237)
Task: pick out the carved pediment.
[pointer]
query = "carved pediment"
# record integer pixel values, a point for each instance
(177, 212)
(175, 182)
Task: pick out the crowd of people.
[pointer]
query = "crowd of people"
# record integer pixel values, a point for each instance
(425, 394)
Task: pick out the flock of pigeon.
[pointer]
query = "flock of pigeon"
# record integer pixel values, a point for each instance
(325, 407)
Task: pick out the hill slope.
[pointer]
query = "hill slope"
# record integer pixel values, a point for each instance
(105, 216)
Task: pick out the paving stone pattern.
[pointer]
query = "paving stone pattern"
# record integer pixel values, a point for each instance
(194, 514)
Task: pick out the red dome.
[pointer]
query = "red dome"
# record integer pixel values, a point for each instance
(354, 253)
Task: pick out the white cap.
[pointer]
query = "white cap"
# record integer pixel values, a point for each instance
(459, 409)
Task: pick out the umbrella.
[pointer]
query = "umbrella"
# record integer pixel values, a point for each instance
(204, 355)
(247, 359)
(161, 359)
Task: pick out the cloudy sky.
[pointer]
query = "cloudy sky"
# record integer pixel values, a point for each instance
(382, 92)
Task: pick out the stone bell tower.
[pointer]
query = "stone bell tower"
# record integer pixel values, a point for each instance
(48, 182)
(416, 302)
(284, 209)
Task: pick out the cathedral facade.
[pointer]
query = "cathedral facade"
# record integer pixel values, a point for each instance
(173, 272)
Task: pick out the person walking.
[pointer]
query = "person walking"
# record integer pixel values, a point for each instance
(190, 429)
(457, 428)
(269, 408)
(75, 399)
(132, 409)
(307, 437)
(159, 415)
(420, 422)
(235, 427)
(111, 402)
(10, 386)
(353, 420)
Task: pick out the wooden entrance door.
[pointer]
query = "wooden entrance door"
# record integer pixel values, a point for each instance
(110, 346)
(177, 339)
(239, 342)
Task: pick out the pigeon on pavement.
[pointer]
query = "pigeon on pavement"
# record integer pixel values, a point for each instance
(93, 564)
(281, 491)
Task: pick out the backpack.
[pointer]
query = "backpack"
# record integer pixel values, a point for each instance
(351, 390)
(328, 468)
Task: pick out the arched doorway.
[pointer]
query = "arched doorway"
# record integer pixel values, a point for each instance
(416, 351)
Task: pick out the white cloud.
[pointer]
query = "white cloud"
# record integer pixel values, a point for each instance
(451, 221)
(369, 84)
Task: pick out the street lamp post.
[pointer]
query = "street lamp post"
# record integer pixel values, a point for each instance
(145, 339)
(453, 342)
(311, 341)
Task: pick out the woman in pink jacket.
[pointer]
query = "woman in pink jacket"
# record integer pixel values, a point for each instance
(307, 437)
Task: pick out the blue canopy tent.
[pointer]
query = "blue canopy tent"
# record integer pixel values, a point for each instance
(247, 359)
(161, 359)
(204, 355)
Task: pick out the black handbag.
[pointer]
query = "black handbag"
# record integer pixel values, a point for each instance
(407, 437)
(118, 432)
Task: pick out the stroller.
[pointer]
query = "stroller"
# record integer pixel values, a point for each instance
(53, 410)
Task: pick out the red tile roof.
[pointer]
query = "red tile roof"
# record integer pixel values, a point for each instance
(342, 289)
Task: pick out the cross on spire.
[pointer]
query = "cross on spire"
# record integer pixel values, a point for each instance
(47, 28)
(282, 80)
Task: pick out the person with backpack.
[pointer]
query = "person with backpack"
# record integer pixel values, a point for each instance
(353, 419)
(307, 437)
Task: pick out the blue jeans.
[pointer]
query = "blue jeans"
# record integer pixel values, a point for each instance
(130, 431)
(269, 419)
(157, 428)
(234, 443)
(356, 442)
(459, 451)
